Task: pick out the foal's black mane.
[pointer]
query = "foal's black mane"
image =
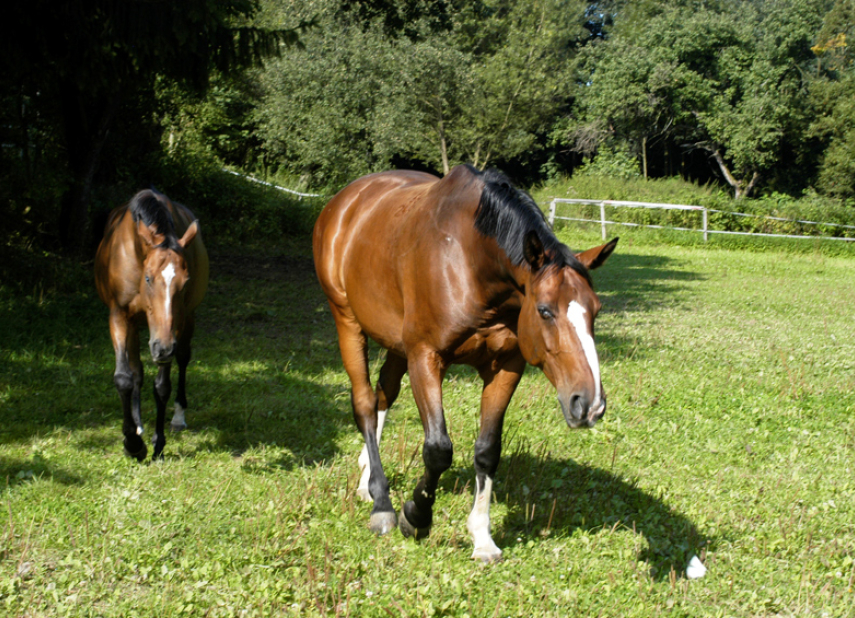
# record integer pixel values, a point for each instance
(149, 206)
(508, 214)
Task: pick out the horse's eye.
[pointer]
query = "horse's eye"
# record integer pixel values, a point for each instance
(148, 279)
(545, 313)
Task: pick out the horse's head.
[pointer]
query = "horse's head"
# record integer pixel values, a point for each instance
(556, 330)
(165, 274)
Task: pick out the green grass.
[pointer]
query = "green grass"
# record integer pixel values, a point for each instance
(730, 434)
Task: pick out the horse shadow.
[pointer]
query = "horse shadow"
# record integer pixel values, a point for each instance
(545, 495)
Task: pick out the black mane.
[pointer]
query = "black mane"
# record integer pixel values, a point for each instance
(149, 206)
(508, 214)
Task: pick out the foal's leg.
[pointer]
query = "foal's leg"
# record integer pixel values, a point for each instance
(426, 373)
(499, 386)
(354, 355)
(182, 355)
(128, 379)
(388, 387)
(162, 390)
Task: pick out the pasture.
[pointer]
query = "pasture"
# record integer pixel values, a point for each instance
(730, 435)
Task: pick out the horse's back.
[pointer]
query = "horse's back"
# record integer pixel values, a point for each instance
(368, 209)
(386, 245)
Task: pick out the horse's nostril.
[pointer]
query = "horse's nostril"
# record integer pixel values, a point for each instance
(579, 406)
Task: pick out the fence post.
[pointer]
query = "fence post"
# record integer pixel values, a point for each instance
(603, 218)
(552, 213)
(706, 225)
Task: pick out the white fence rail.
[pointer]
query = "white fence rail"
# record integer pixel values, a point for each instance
(704, 229)
(270, 184)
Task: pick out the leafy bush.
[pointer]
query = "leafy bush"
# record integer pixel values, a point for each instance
(611, 163)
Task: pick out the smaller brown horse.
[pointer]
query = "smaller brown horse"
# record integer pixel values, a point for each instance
(152, 267)
(462, 269)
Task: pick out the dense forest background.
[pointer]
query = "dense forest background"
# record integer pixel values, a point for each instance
(99, 98)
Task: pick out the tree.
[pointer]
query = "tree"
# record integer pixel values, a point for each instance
(833, 101)
(82, 64)
(726, 80)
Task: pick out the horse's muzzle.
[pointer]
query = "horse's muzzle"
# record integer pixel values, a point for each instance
(161, 353)
(580, 412)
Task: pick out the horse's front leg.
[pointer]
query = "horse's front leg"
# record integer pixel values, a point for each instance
(499, 386)
(426, 373)
(128, 380)
(182, 355)
(162, 390)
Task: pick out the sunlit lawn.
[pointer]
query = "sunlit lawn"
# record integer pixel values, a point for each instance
(730, 435)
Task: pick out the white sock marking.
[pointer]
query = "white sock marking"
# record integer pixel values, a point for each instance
(576, 315)
(362, 490)
(178, 419)
(479, 523)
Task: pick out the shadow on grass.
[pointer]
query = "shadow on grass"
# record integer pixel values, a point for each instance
(641, 283)
(546, 495)
(17, 471)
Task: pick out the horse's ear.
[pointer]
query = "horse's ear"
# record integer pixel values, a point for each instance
(594, 258)
(190, 234)
(533, 251)
(150, 237)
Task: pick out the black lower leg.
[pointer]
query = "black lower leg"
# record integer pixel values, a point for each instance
(437, 454)
(131, 425)
(162, 390)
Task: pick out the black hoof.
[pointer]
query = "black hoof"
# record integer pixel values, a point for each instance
(409, 530)
(136, 452)
(382, 522)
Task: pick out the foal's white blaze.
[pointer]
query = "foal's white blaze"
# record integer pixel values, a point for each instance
(576, 315)
(362, 490)
(479, 523)
(168, 276)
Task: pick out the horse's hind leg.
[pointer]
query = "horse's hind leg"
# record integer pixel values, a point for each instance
(388, 387)
(354, 354)
(182, 356)
(128, 378)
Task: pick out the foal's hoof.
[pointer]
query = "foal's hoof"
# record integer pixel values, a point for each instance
(382, 522)
(138, 454)
(409, 530)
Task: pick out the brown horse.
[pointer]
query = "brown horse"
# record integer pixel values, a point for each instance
(462, 269)
(152, 267)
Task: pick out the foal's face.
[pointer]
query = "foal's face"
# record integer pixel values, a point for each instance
(162, 291)
(556, 333)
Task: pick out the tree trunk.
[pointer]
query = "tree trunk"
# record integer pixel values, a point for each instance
(644, 155)
(740, 190)
(87, 126)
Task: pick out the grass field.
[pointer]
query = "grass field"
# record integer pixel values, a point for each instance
(730, 435)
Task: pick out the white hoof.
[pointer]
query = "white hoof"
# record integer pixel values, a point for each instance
(487, 555)
(178, 423)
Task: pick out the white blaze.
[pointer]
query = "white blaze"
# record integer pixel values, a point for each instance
(168, 276)
(576, 315)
